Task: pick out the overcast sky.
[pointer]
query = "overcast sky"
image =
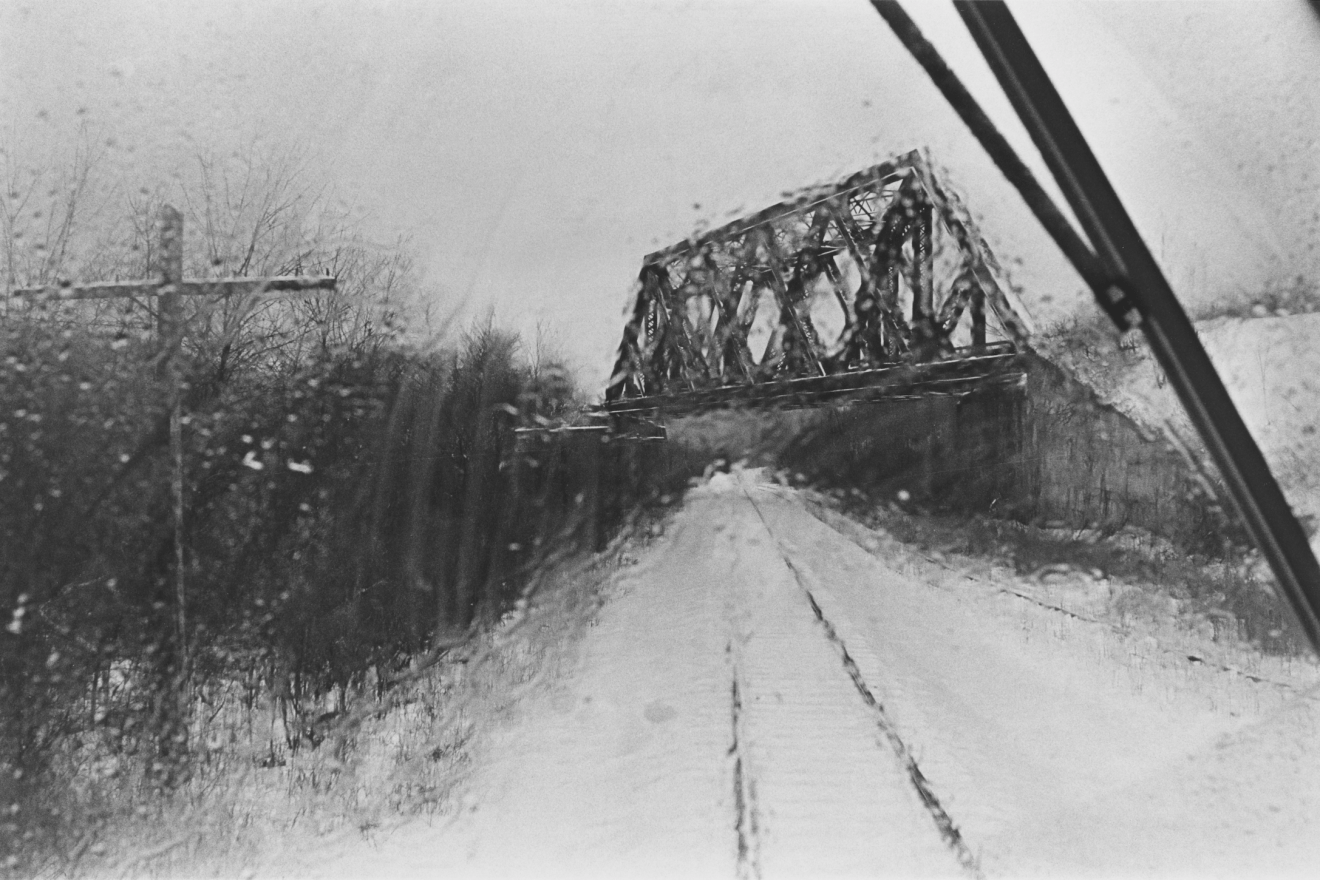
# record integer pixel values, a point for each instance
(535, 151)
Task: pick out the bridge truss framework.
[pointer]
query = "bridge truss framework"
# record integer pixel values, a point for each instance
(879, 285)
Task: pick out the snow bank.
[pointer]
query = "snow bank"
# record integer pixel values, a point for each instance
(763, 696)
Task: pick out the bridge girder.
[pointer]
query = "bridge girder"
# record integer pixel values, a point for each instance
(883, 269)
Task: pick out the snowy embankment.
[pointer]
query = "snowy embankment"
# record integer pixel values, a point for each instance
(764, 694)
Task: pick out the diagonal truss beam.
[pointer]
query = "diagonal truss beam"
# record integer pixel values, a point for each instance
(888, 259)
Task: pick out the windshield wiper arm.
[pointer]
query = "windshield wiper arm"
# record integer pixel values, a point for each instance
(1143, 289)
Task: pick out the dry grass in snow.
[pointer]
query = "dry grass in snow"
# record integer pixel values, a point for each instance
(255, 807)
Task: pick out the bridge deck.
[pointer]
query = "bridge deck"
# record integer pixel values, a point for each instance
(968, 371)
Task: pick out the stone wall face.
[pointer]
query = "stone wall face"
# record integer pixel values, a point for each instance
(1043, 450)
(936, 452)
(1087, 465)
(1039, 448)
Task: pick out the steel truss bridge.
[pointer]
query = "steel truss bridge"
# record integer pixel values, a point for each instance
(878, 286)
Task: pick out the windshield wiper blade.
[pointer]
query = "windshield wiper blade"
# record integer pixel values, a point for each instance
(1138, 283)
(1127, 282)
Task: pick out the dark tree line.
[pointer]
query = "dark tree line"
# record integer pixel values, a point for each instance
(351, 501)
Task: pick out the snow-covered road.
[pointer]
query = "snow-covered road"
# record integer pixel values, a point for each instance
(761, 696)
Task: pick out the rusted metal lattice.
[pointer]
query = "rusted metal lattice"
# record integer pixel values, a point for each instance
(880, 282)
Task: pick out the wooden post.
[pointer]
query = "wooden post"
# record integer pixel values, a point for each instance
(170, 333)
(169, 287)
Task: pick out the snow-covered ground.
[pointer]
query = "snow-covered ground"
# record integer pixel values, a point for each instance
(766, 694)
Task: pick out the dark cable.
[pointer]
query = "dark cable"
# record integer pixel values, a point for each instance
(1010, 164)
(1172, 338)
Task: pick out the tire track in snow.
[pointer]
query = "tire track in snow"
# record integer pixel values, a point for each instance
(746, 819)
(746, 824)
(944, 823)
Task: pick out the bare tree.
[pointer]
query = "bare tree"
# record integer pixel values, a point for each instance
(53, 214)
(257, 211)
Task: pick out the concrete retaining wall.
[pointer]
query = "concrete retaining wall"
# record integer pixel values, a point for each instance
(1087, 465)
(1043, 450)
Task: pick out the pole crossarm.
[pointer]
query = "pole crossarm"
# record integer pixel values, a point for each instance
(288, 284)
(169, 285)
(883, 268)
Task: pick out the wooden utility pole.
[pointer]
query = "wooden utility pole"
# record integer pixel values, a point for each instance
(169, 332)
(169, 287)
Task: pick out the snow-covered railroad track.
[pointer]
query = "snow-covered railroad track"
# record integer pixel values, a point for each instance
(762, 697)
(827, 792)
(943, 821)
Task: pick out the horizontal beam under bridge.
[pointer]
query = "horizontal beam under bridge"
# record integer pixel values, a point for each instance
(951, 377)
